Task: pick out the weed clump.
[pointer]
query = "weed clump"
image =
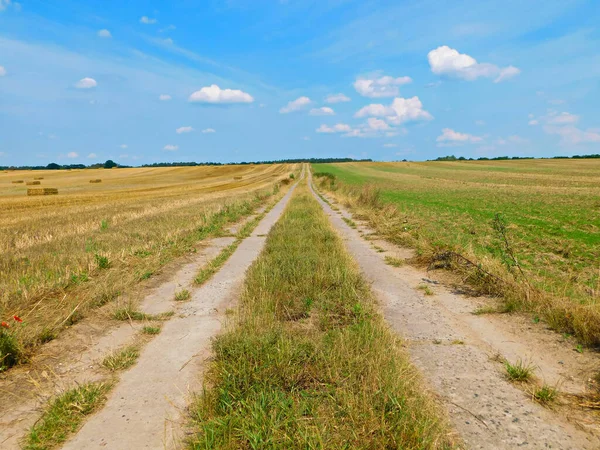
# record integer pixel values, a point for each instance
(545, 394)
(518, 371)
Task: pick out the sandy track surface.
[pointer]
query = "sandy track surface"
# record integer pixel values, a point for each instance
(145, 410)
(455, 351)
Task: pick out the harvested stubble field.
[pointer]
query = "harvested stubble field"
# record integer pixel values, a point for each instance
(65, 254)
(533, 226)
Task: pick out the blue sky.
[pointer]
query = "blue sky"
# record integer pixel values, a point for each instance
(239, 80)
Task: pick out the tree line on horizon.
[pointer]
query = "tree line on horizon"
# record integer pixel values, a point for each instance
(506, 158)
(111, 164)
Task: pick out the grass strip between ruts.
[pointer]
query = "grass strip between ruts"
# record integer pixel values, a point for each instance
(308, 362)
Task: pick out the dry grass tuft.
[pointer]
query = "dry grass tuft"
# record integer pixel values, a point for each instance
(17, 181)
(122, 359)
(97, 180)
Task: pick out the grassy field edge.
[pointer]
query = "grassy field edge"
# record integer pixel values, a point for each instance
(307, 361)
(501, 277)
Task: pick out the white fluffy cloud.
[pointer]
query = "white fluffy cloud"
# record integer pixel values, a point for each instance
(448, 61)
(563, 118)
(104, 34)
(400, 111)
(86, 83)
(123, 146)
(147, 20)
(209, 130)
(563, 125)
(164, 97)
(170, 147)
(92, 156)
(377, 124)
(181, 130)
(337, 98)
(214, 94)
(571, 135)
(323, 111)
(337, 128)
(372, 128)
(72, 155)
(454, 137)
(385, 86)
(2, 71)
(295, 105)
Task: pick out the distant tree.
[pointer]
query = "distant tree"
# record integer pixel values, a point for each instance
(52, 166)
(110, 164)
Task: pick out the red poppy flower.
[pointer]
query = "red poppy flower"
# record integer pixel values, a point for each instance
(4, 325)
(18, 319)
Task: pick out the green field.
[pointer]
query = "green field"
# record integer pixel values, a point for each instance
(551, 209)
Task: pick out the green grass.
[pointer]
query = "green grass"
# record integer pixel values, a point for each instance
(122, 359)
(550, 209)
(545, 394)
(183, 295)
(10, 350)
(308, 362)
(64, 416)
(128, 312)
(519, 371)
(426, 289)
(350, 222)
(151, 330)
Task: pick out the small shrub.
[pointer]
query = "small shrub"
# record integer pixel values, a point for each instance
(182, 295)
(292, 177)
(104, 224)
(518, 371)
